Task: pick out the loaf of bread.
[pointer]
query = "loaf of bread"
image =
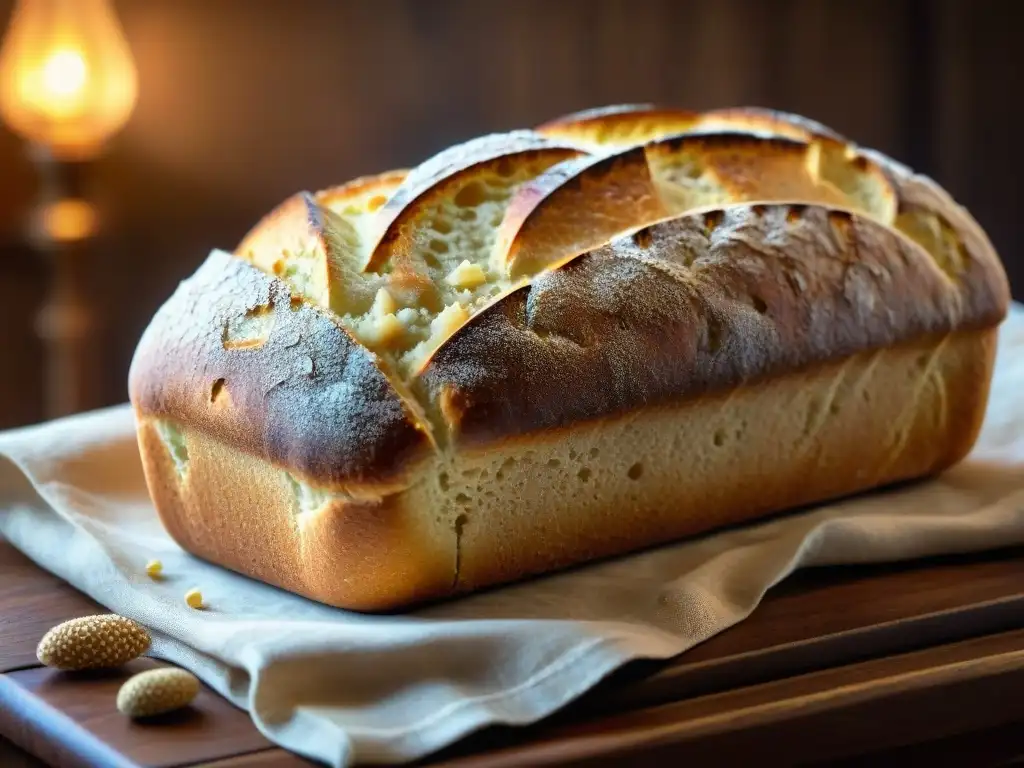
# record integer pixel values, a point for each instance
(539, 348)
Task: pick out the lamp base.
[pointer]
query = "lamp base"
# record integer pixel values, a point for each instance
(62, 229)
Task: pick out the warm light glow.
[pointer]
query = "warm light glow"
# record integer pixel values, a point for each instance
(64, 73)
(67, 79)
(67, 220)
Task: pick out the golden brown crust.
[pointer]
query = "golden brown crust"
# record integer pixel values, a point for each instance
(382, 184)
(302, 206)
(619, 125)
(980, 274)
(696, 304)
(772, 122)
(574, 206)
(600, 489)
(691, 374)
(628, 124)
(232, 353)
(985, 284)
(658, 474)
(297, 214)
(237, 510)
(744, 167)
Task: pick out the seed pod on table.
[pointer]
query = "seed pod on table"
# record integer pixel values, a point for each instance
(157, 691)
(93, 642)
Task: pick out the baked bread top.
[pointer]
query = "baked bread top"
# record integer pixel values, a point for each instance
(606, 261)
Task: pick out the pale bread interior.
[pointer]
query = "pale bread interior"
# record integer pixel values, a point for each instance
(317, 243)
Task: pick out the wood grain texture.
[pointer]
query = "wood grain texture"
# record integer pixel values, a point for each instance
(31, 602)
(837, 713)
(832, 616)
(50, 714)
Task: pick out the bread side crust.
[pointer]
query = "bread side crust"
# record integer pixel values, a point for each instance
(556, 498)
(663, 473)
(246, 514)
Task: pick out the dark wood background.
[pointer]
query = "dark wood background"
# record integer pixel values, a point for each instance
(243, 102)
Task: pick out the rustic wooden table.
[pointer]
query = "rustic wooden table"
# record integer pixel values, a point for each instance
(916, 663)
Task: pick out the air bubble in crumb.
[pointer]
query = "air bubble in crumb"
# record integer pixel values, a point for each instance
(471, 195)
(719, 437)
(554, 463)
(584, 474)
(442, 481)
(635, 471)
(216, 389)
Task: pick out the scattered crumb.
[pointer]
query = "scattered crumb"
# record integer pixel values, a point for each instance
(194, 598)
(154, 568)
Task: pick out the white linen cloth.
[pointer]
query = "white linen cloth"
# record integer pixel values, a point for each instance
(344, 688)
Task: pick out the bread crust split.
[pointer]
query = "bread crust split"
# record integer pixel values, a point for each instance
(631, 325)
(248, 363)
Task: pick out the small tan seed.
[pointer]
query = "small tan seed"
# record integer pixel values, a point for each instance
(194, 598)
(157, 691)
(93, 642)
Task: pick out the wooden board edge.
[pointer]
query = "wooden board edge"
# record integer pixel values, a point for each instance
(50, 735)
(268, 758)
